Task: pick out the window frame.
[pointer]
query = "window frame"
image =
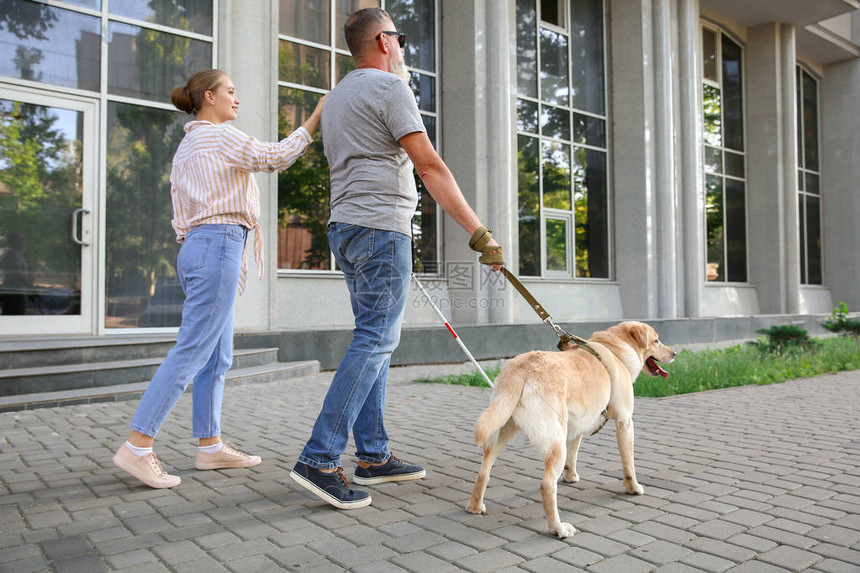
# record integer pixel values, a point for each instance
(546, 213)
(802, 171)
(721, 32)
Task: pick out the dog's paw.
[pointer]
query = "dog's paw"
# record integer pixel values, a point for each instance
(570, 476)
(563, 530)
(477, 508)
(634, 488)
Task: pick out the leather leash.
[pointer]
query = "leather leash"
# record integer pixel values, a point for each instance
(564, 336)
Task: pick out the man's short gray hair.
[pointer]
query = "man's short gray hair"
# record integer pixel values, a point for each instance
(359, 27)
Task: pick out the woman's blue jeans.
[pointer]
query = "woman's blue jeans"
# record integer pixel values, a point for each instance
(208, 267)
(377, 266)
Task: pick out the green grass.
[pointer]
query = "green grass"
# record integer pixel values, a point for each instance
(468, 379)
(725, 368)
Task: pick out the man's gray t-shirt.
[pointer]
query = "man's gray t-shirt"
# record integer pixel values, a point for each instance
(371, 175)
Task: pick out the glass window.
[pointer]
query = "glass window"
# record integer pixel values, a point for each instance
(732, 91)
(424, 87)
(713, 160)
(808, 180)
(552, 12)
(343, 10)
(148, 64)
(188, 15)
(589, 130)
(527, 48)
(303, 191)
(529, 205)
(809, 108)
(709, 54)
(306, 19)
(812, 218)
(91, 4)
(724, 159)
(555, 122)
(563, 190)
(591, 212)
(714, 220)
(47, 44)
(527, 116)
(310, 63)
(416, 19)
(140, 245)
(556, 245)
(736, 230)
(300, 64)
(554, 69)
(589, 93)
(40, 178)
(556, 175)
(63, 46)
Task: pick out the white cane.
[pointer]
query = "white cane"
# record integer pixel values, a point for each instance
(451, 330)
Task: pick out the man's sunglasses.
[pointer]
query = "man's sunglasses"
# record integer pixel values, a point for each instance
(401, 38)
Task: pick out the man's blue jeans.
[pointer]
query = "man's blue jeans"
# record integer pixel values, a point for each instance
(377, 266)
(208, 267)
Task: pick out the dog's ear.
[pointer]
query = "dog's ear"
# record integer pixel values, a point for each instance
(567, 345)
(639, 334)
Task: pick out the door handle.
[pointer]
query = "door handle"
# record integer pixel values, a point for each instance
(75, 226)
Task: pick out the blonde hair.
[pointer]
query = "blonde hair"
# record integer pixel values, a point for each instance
(189, 98)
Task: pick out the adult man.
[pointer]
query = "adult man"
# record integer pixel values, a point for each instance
(371, 131)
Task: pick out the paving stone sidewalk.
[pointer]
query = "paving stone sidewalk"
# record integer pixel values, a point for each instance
(752, 479)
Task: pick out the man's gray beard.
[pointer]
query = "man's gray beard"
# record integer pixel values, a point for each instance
(399, 69)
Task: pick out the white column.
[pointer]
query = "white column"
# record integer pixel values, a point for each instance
(791, 280)
(479, 145)
(501, 162)
(664, 161)
(692, 195)
(247, 52)
(634, 204)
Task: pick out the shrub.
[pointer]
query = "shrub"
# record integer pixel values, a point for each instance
(840, 324)
(783, 338)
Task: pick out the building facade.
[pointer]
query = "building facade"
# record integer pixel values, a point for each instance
(665, 160)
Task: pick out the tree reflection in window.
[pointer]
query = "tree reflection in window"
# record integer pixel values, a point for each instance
(306, 58)
(40, 186)
(561, 113)
(303, 191)
(723, 158)
(140, 253)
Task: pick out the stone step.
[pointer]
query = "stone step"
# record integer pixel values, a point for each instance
(113, 393)
(55, 351)
(63, 377)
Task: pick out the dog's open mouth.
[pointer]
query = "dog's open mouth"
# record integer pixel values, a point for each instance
(654, 368)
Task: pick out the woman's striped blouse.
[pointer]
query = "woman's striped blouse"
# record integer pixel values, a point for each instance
(212, 182)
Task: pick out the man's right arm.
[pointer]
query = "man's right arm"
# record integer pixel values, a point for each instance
(440, 182)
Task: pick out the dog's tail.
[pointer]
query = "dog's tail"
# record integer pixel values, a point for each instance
(506, 396)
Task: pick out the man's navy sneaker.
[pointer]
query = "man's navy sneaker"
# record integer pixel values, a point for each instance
(332, 487)
(392, 470)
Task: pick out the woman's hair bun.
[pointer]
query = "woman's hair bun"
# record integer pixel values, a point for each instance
(189, 98)
(181, 98)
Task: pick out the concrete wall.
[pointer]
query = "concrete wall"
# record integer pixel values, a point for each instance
(766, 157)
(632, 130)
(433, 345)
(840, 181)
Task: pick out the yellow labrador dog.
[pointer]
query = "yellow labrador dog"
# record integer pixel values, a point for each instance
(556, 397)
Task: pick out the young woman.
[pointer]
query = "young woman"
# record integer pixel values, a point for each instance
(216, 202)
